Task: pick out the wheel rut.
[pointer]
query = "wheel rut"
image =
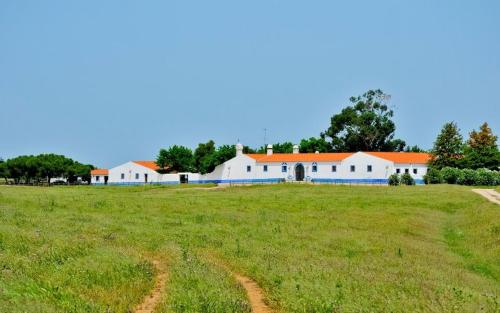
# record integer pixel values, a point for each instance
(151, 301)
(255, 294)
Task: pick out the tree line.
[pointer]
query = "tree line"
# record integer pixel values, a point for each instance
(363, 125)
(36, 169)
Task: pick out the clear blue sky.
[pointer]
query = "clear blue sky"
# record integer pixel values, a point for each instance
(109, 81)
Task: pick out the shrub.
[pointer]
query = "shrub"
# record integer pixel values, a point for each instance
(433, 176)
(406, 179)
(486, 177)
(497, 177)
(467, 177)
(394, 180)
(450, 174)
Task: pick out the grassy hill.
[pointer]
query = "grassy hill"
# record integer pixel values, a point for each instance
(311, 248)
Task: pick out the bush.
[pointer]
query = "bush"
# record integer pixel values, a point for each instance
(486, 177)
(468, 177)
(497, 178)
(450, 174)
(394, 180)
(433, 176)
(406, 179)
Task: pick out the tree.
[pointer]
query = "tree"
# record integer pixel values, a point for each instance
(481, 150)
(314, 144)
(285, 147)
(414, 148)
(205, 157)
(52, 165)
(176, 158)
(225, 152)
(448, 147)
(366, 125)
(3, 170)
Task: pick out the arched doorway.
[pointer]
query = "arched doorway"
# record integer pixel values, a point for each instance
(299, 172)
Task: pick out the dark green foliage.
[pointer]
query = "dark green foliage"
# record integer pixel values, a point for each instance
(406, 179)
(285, 147)
(205, 157)
(414, 148)
(450, 175)
(394, 180)
(448, 147)
(314, 144)
(366, 125)
(176, 159)
(33, 169)
(433, 176)
(468, 177)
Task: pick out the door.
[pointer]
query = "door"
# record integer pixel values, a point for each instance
(105, 180)
(299, 172)
(183, 178)
(145, 178)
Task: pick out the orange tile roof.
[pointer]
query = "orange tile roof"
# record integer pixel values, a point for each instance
(404, 157)
(99, 171)
(396, 157)
(300, 157)
(149, 164)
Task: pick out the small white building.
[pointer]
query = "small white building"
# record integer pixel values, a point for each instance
(138, 173)
(337, 168)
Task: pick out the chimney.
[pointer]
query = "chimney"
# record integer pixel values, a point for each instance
(269, 149)
(295, 149)
(239, 149)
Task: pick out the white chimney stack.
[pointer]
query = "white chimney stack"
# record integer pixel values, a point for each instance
(269, 149)
(295, 149)
(239, 149)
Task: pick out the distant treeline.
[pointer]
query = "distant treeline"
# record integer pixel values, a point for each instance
(36, 169)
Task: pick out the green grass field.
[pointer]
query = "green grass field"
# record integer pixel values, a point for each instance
(311, 248)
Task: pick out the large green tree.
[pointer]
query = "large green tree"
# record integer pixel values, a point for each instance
(365, 125)
(176, 158)
(205, 157)
(314, 144)
(448, 147)
(481, 150)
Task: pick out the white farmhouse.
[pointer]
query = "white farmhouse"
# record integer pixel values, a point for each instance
(339, 168)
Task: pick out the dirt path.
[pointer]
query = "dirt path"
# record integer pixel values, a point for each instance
(489, 194)
(150, 302)
(255, 294)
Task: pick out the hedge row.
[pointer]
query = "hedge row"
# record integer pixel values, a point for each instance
(451, 175)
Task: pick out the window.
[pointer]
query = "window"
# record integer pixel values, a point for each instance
(334, 168)
(369, 168)
(407, 170)
(136, 175)
(415, 171)
(97, 178)
(265, 168)
(353, 168)
(315, 167)
(283, 167)
(398, 170)
(123, 176)
(249, 168)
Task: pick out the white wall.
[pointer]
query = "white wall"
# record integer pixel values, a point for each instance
(130, 169)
